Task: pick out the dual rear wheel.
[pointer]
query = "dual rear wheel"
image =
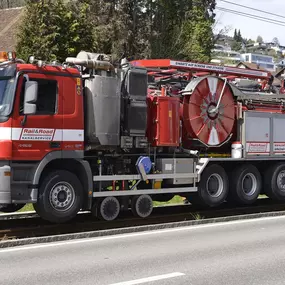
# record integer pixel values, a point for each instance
(274, 182)
(241, 186)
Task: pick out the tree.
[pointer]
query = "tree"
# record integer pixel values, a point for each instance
(79, 33)
(238, 41)
(235, 35)
(239, 37)
(197, 38)
(38, 31)
(129, 28)
(236, 46)
(259, 40)
(276, 41)
(51, 31)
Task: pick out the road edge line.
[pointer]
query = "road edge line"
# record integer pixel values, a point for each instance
(135, 229)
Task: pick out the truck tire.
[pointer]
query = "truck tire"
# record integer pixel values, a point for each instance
(245, 185)
(213, 187)
(274, 182)
(60, 197)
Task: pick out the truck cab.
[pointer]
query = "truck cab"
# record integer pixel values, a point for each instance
(41, 121)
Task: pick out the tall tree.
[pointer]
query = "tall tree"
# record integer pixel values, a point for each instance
(259, 40)
(129, 22)
(38, 31)
(238, 41)
(239, 37)
(235, 35)
(135, 28)
(51, 31)
(276, 41)
(197, 33)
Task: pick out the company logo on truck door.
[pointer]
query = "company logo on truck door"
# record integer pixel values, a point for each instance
(37, 134)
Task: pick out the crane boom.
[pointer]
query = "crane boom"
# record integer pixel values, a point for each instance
(195, 66)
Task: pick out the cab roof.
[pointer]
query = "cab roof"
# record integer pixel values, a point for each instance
(54, 69)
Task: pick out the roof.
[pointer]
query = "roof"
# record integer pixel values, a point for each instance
(70, 71)
(9, 21)
(250, 66)
(279, 72)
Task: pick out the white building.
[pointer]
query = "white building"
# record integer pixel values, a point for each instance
(222, 54)
(264, 61)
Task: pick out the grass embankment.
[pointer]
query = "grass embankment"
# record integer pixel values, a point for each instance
(27, 208)
(175, 200)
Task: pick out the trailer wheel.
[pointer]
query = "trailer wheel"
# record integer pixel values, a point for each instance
(12, 208)
(213, 187)
(107, 209)
(60, 197)
(142, 206)
(274, 182)
(245, 185)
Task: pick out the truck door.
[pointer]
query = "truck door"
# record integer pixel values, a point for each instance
(40, 133)
(73, 123)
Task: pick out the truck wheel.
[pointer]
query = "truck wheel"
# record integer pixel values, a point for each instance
(213, 187)
(107, 209)
(60, 197)
(245, 185)
(12, 208)
(142, 206)
(274, 182)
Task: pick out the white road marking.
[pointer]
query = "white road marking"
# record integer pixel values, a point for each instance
(149, 279)
(146, 233)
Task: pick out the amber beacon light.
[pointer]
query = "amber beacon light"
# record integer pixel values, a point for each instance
(5, 56)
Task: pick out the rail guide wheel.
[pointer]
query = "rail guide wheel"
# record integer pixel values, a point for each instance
(142, 206)
(208, 110)
(107, 209)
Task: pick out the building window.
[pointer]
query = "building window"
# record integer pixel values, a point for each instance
(47, 97)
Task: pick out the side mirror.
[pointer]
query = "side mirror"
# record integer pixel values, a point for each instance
(30, 97)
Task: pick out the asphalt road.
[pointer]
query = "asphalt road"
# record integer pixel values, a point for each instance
(246, 252)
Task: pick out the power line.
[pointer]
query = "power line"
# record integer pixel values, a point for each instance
(260, 17)
(251, 8)
(255, 17)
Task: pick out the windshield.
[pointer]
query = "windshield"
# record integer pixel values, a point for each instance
(7, 86)
(6, 95)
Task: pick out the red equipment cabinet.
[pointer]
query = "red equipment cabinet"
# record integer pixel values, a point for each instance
(163, 120)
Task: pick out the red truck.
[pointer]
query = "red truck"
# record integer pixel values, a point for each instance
(86, 135)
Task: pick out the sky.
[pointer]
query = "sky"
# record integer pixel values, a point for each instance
(251, 28)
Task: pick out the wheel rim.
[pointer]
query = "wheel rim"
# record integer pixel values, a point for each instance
(281, 180)
(215, 185)
(249, 184)
(62, 196)
(144, 206)
(110, 208)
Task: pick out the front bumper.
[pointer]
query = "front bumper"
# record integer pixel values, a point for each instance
(5, 184)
